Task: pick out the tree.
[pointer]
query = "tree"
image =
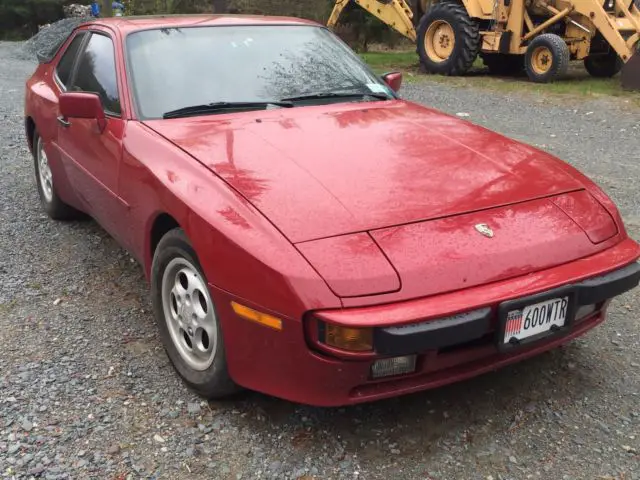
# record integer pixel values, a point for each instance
(21, 18)
(220, 6)
(106, 8)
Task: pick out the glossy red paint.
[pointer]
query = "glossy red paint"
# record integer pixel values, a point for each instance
(83, 105)
(306, 376)
(588, 214)
(361, 213)
(394, 80)
(352, 265)
(359, 167)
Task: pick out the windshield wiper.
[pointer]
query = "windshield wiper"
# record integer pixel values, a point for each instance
(223, 106)
(323, 95)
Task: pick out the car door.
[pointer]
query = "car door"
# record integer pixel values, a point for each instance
(93, 157)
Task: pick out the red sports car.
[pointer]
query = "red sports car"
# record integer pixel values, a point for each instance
(307, 233)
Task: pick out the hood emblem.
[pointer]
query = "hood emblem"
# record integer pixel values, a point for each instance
(484, 229)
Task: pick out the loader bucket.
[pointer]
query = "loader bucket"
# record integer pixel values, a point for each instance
(630, 75)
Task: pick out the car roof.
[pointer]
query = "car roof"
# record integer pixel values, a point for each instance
(134, 23)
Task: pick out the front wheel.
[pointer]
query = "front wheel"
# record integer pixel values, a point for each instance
(448, 39)
(187, 320)
(547, 58)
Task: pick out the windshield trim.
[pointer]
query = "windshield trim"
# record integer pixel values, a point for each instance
(131, 77)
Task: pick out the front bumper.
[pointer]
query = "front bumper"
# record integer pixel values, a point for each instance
(282, 364)
(471, 326)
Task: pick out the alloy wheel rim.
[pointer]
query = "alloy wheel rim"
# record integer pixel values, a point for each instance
(189, 314)
(44, 172)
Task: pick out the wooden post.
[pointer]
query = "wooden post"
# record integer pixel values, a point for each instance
(107, 11)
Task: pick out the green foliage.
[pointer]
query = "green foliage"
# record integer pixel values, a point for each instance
(21, 18)
(360, 29)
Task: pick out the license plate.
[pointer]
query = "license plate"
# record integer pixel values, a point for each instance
(536, 319)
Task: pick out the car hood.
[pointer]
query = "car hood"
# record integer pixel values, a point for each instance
(329, 170)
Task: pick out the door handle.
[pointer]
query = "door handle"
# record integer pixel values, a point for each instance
(63, 122)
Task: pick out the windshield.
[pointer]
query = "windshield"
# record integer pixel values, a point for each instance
(175, 68)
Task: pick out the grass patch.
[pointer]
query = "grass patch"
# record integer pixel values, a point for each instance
(383, 62)
(578, 82)
(6, 307)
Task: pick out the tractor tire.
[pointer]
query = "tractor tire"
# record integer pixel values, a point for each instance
(448, 39)
(547, 58)
(604, 65)
(502, 64)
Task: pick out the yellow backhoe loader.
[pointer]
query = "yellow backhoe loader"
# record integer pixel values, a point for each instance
(539, 36)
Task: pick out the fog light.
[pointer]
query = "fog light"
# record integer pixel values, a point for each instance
(346, 338)
(393, 366)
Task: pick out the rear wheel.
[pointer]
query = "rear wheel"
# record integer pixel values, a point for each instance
(51, 203)
(448, 39)
(502, 64)
(604, 65)
(547, 58)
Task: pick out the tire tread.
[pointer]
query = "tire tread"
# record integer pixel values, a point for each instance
(560, 54)
(467, 34)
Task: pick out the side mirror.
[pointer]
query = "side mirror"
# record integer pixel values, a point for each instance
(393, 79)
(83, 105)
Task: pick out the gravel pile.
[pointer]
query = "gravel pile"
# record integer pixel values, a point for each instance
(50, 37)
(86, 391)
(77, 10)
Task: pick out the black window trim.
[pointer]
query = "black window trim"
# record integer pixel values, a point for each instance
(74, 65)
(74, 70)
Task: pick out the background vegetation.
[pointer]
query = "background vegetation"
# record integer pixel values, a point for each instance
(20, 19)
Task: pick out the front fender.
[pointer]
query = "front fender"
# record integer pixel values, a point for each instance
(241, 252)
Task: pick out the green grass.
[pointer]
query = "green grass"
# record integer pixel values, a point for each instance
(577, 84)
(386, 61)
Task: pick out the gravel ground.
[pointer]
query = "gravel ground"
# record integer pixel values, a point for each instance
(86, 390)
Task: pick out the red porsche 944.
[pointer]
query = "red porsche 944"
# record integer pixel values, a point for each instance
(306, 232)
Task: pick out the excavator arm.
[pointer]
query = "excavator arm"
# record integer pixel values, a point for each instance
(620, 27)
(395, 13)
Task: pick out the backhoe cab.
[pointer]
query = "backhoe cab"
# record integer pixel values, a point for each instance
(538, 36)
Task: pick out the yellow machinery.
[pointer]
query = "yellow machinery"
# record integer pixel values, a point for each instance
(541, 36)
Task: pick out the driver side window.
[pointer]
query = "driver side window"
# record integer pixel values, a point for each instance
(65, 65)
(96, 72)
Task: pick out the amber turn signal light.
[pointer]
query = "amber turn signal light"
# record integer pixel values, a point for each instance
(256, 316)
(347, 338)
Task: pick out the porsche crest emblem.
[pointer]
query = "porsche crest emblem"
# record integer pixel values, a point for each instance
(484, 229)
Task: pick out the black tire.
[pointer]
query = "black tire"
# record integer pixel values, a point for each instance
(466, 36)
(552, 53)
(603, 65)
(502, 64)
(51, 203)
(213, 382)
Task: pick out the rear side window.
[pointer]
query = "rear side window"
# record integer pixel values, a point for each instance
(96, 72)
(65, 66)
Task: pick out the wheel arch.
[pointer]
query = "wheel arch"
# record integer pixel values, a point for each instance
(159, 226)
(30, 130)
